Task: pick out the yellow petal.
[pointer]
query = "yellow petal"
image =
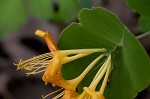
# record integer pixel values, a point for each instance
(93, 94)
(48, 38)
(53, 73)
(69, 94)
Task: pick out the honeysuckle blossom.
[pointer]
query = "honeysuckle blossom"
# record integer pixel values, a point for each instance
(89, 92)
(51, 64)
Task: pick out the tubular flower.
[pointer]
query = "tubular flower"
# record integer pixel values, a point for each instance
(72, 94)
(89, 92)
(51, 63)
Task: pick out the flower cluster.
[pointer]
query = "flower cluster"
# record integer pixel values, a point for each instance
(51, 64)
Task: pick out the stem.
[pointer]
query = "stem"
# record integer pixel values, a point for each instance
(143, 35)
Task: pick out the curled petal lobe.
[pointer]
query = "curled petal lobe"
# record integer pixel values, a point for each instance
(49, 40)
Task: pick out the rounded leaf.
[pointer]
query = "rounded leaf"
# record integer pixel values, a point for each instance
(99, 28)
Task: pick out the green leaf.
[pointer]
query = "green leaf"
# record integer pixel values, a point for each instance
(40, 8)
(65, 12)
(99, 28)
(13, 14)
(56, 10)
(140, 6)
(144, 23)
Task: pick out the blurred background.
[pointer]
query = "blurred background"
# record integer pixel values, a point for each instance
(19, 19)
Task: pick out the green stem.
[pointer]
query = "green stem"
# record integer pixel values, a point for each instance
(143, 35)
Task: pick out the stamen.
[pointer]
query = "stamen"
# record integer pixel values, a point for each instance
(36, 64)
(43, 97)
(34, 72)
(42, 57)
(35, 59)
(18, 64)
(59, 95)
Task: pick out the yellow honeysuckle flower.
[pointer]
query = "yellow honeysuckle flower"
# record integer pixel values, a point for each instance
(71, 93)
(51, 63)
(89, 92)
(53, 70)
